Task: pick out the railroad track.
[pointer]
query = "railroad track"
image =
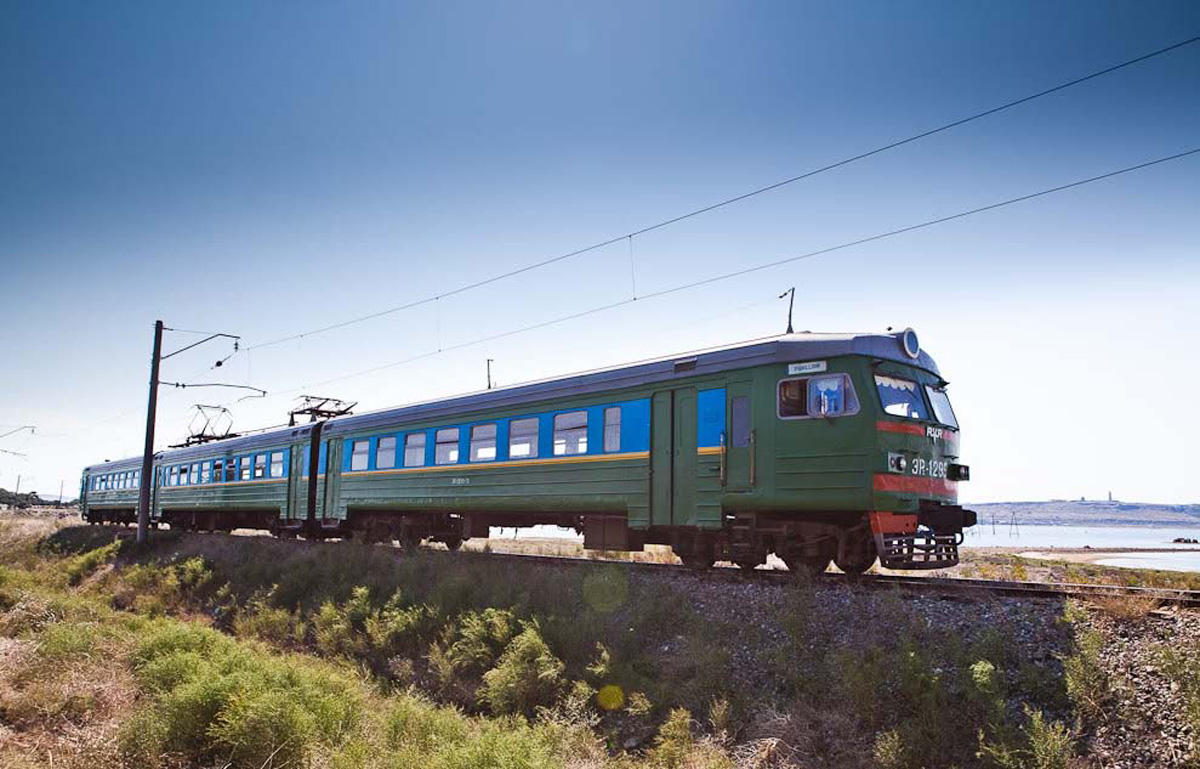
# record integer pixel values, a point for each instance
(949, 586)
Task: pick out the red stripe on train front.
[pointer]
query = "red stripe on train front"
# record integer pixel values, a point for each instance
(910, 428)
(915, 484)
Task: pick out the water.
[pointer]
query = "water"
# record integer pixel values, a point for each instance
(1096, 537)
(1044, 537)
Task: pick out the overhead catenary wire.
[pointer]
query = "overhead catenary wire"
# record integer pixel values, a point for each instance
(728, 201)
(752, 269)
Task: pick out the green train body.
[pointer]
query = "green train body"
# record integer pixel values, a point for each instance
(812, 447)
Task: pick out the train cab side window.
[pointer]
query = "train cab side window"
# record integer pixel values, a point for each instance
(793, 398)
(385, 453)
(831, 396)
(276, 464)
(260, 465)
(612, 428)
(570, 433)
(414, 450)
(360, 455)
(483, 443)
(900, 397)
(446, 446)
(523, 438)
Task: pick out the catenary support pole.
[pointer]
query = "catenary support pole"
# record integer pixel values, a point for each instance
(146, 478)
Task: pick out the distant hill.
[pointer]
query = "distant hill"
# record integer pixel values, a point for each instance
(1078, 512)
(28, 500)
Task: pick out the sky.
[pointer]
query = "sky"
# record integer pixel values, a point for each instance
(263, 169)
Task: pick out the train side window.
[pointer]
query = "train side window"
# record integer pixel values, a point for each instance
(831, 396)
(205, 476)
(446, 446)
(570, 433)
(612, 428)
(793, 398)
(523, 438)
(414, 450)
(184, 477)
(277, 464)
(483, 443)
(218, 466)
(230, 469)
(244, 468)
(385, 453)
(360, 456)
(173, 476)
(739, 414)
(196, 473)
(137, 478)
(260, 465)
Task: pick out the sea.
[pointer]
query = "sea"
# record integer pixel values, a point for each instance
(1041, 537)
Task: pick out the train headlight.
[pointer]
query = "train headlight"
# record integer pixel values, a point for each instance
(958, 472)
(897, 463)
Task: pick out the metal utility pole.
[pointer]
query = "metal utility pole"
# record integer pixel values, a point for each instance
(489, 373)
(146, 478)
(791, 294)
(60, 488)
(18, 491)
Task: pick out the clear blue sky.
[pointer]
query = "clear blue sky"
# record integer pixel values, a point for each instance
(262, 168)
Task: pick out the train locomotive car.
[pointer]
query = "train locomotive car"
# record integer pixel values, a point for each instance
(818, 448)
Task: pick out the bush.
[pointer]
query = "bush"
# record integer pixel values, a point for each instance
(81, 566)
(213, 698)
(527, 675)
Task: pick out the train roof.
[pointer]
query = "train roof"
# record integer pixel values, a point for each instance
(786, 348)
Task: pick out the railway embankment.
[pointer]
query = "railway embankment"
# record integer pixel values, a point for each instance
(258, 652)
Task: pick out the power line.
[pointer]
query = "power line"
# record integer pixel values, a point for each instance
(727, 201)
(755, 268)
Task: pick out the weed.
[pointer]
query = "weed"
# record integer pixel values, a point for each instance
(81, 566)
(526, 676)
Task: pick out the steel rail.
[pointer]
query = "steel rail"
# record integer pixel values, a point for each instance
(947, 585)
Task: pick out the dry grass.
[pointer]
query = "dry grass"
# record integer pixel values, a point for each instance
(1128, 608)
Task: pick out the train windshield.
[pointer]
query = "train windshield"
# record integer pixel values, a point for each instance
(900, 397)
(941, 406)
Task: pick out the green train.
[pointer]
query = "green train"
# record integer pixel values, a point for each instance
(818, 448)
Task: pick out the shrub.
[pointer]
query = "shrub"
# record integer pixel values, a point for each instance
(526, 676)
(212, 697)
(81, 566)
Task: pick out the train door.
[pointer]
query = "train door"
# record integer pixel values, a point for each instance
(297, 496)
(673, 457)
(739, 438)
(333, 478)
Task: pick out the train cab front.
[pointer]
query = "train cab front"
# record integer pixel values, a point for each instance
(916, 521)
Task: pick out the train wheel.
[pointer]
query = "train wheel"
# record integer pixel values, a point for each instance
(856, 552)
(409, 542)
(812, 565)
(749, 564)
